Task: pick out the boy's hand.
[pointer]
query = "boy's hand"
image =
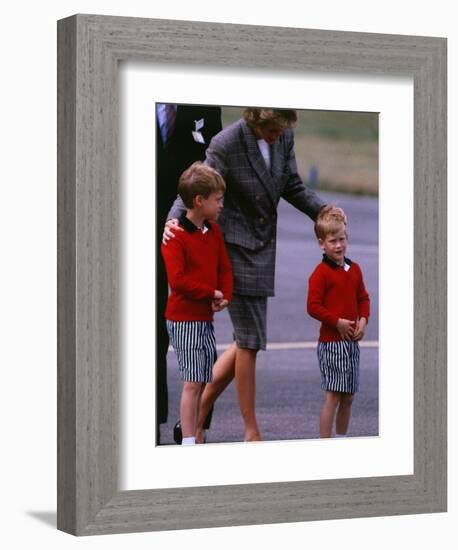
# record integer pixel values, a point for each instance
(219, 305)
(169, 228)
(344, 326)
(218, 302)
(361, 325)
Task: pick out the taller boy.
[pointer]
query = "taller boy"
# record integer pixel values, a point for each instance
(200, 278)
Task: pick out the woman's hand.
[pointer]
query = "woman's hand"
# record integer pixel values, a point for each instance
(169, 228)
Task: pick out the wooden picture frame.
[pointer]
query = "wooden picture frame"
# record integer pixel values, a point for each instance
(89, 49)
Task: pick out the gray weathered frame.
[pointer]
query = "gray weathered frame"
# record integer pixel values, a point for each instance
(89, 48)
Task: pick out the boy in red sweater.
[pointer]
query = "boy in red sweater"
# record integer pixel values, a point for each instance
(200, 279)
(338, 298)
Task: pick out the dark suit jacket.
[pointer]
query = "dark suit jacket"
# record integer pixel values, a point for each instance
(249, 216)
(171, 161)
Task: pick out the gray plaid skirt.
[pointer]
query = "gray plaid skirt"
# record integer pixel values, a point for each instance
(248, 315)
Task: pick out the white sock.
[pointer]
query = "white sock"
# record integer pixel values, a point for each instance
(188, 441)
(341, 435)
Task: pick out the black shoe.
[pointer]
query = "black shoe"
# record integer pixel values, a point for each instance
(177, 433)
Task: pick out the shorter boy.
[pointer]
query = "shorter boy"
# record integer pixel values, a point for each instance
(338, 298)
(200, 278)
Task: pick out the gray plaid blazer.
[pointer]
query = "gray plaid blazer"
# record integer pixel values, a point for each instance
(249, 216)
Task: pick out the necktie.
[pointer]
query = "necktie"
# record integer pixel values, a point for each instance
(171, 116)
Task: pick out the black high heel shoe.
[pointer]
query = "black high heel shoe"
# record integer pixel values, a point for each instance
(177, 433)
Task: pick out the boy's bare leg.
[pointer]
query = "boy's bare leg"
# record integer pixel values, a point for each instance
(223, 374)
(344, 413)
(328, 410)
(245, 379)
(188, 407)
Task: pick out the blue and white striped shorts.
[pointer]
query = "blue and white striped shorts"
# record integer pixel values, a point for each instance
(195, 345)
(339, 365)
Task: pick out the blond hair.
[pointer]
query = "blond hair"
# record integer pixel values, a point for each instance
(199, 179)
(329, 221)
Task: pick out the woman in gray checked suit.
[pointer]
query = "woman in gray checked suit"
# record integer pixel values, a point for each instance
(255, 156)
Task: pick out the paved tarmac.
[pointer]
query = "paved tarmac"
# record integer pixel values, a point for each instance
(289, 396)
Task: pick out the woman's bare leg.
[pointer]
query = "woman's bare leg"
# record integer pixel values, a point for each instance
(245, 379)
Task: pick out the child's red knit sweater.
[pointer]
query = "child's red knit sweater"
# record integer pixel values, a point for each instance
(334, 293)
(197, 264)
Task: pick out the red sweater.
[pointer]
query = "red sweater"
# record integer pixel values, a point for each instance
(334, 294)
(197, 264)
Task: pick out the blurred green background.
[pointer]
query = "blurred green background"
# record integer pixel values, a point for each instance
(335, 150)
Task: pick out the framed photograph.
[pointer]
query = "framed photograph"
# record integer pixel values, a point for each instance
(93, 497)
(288, 386)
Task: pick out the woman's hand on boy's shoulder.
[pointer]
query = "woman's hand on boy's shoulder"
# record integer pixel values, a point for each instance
(170, 227)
